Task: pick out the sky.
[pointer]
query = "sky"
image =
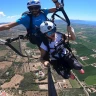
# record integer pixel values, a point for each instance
(11, 10)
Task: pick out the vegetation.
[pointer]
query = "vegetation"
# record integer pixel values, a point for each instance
(90, 80)
(89, 71)
(19, 64)
(28, 83)
(93, 94)
(10, 75)
(2, 58)
(31, 46)
(72, 92)
(3, 47)
(74, 84)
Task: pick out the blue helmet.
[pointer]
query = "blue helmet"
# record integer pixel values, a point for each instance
(33, 2)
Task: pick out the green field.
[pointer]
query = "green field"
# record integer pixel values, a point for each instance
(74, 83)
(91, 80)
(72, 92)
(89, 71)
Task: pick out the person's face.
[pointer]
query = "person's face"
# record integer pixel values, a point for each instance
(34, 9)
(50, 34)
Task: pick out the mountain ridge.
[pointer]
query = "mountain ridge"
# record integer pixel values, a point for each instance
(72, 21)
(79, 22)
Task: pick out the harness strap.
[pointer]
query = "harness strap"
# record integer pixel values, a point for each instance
(8, 43)
(44, 15)
(64, 14)
(14, 49)
(29, 34)
(30, 26)
(59, 51)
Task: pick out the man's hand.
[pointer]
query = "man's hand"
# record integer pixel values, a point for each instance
(55, 1)
(46, 63)
(72, 35)
(70, 29)
(58, 5)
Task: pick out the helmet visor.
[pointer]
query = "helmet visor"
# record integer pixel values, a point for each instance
(49, 33)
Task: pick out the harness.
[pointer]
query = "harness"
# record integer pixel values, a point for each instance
(32, 37)
(58, 47)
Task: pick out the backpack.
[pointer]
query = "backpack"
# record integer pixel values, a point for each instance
(29, 36)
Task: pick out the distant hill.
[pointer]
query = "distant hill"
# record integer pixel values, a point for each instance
(72, 21)
(84, 22)
(78, 22)
(4, 22)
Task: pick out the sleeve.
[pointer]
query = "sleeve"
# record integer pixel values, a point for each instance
(43, 46)
(23, 20)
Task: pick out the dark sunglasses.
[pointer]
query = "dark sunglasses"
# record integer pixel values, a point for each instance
(34, 8)
(50, 33)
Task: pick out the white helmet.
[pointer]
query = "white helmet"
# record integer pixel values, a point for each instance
(47, 26)
(33, 2)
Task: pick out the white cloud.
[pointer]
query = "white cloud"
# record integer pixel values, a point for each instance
(10, 17)
(2, 14)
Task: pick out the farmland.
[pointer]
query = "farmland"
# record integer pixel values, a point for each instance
(85, 51)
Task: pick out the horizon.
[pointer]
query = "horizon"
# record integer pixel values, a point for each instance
(62, 20)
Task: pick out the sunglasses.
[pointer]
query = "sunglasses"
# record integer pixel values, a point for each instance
(50, 33)
(34, 8)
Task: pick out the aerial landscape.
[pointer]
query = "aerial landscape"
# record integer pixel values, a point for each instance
(26, 76)
(23, 68)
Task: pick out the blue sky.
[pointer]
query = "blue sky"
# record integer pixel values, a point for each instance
(11, 10)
